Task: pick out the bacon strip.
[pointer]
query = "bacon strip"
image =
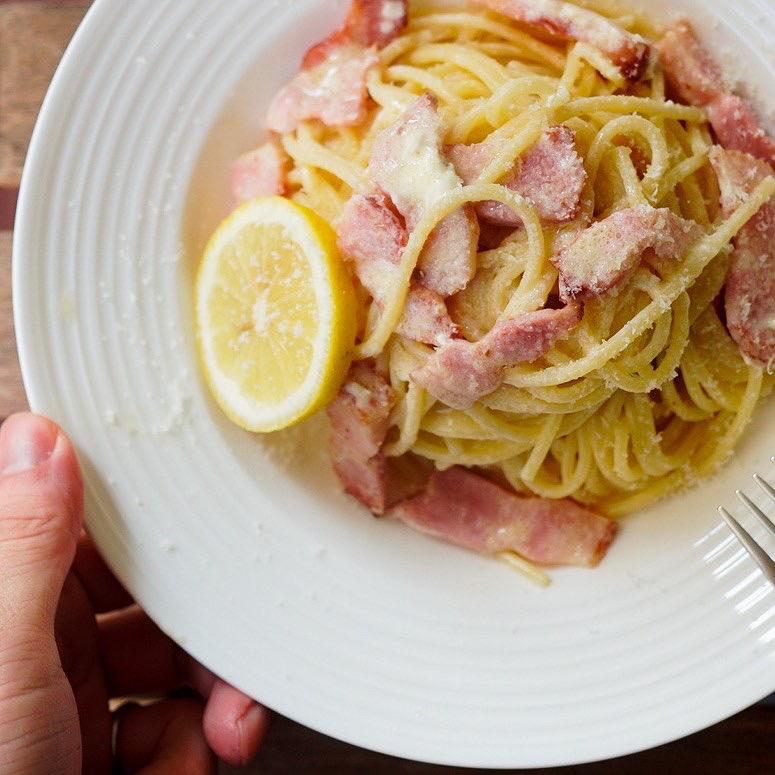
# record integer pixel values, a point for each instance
(359, 418)
(359, 423)
(470, 160)
(376, 22)
(461, 372)
(368, 23)
(407, 163)
(567, 22)
(691, 72)
(551, 176)
(696, 78)
(448, 261)
(331, 86)
(738, 129)
(372, 235)
(467, 510)
(750, 290)
(426, 318)
(362, 409)
(333, 91)
(262, 172)
(606, 254)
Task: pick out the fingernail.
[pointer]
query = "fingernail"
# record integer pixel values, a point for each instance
(250, 727)
(26, 442)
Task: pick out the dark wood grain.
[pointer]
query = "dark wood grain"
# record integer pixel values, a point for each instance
(33, 35)
(7, 206)
(12, 398)
(742, 745)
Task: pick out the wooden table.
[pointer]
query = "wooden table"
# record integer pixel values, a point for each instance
(33, 34)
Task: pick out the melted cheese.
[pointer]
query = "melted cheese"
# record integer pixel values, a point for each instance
(418, 172)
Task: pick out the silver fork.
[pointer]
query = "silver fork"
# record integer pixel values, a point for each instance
(763, 560)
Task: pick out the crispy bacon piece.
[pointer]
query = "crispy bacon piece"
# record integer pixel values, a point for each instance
(359, 418)
(467, 510)
(376, 22)
(368, 23)
(461, 372)
(551, 176)
(697, 79)
(690, 70)
(738, 175)
(365, 480)
(372, 235)
(359, 422)
(333, 91)
(458, 375)
(470, 160)
(738, 129)
(426, 318)
(567, 22)
(407, 163)
(750, 291)
(448, 260)
(262, 172)
(326, 48)
(360, 413)
(332, 83)
(606, 253)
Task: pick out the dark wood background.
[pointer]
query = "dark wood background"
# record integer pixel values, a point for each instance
(33, 35)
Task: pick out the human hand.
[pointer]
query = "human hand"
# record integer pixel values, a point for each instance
(68, 641)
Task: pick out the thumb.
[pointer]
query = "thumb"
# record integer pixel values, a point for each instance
(40, 520)
(41, 503)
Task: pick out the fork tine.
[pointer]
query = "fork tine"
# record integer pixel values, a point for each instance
(762, 559)
(756, 511)
(765, 485)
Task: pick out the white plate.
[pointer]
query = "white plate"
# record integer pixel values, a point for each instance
(245, 552)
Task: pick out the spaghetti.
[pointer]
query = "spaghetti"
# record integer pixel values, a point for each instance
(649, 393)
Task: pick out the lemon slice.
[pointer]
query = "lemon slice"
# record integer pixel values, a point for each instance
(275, 313)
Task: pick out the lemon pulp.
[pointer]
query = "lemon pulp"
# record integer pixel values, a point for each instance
(275, 311)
